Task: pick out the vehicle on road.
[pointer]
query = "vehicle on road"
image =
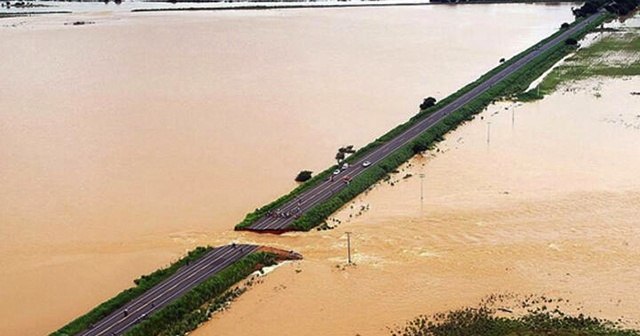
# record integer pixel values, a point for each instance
(345, 166)
(318, 194)
(366, 163)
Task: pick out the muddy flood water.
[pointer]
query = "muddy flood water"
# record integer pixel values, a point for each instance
(550, 206)
(127, 142)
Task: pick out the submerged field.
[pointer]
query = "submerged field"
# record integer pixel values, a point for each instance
(549, 207)
(218, 112)
(105, 181)
(529, 198)
(508, 314)
(612, 52)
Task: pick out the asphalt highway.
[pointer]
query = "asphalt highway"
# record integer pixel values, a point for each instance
(326, 189)
(168, 290)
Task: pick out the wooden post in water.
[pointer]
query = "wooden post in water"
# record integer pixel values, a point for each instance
(513, 116)
(421, 191)
(348, 247)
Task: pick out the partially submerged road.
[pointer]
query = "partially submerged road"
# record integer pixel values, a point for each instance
(168, 290)
(324, 190)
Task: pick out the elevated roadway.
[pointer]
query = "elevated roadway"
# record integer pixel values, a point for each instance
(324, 190)
(169, 290)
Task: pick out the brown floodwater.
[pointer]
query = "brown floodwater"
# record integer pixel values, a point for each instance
(549, 206)
(126, 142)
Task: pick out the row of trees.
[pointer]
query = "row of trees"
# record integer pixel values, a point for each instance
(618, 7)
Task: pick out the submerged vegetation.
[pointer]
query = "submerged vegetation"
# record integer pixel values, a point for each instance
(531, 316)
(613, 54)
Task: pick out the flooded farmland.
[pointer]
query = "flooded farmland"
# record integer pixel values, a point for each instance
(141, 136)
(549, 207)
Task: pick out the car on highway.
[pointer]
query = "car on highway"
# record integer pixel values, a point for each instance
(366, 163)
(336, 172)
(345, 166)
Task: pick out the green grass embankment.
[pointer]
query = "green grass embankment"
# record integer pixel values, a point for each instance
(143, 284)
(508, 87)
(196, 306)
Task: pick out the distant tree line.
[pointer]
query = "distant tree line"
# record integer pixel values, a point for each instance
(494, 1)
(619, 7)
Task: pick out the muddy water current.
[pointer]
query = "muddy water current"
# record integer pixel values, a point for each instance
(546, 202)
(128, 141)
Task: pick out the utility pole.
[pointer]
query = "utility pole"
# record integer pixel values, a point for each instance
(348, 247)
(488, 132)
(513, 116)
(421, 191)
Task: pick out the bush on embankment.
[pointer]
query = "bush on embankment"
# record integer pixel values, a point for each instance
(143, 284)
(331, 204)
(510, 86)
(260, 212)
(178, 315)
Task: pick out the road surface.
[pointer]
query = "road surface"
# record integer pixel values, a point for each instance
(326, 189)
(168, 290)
